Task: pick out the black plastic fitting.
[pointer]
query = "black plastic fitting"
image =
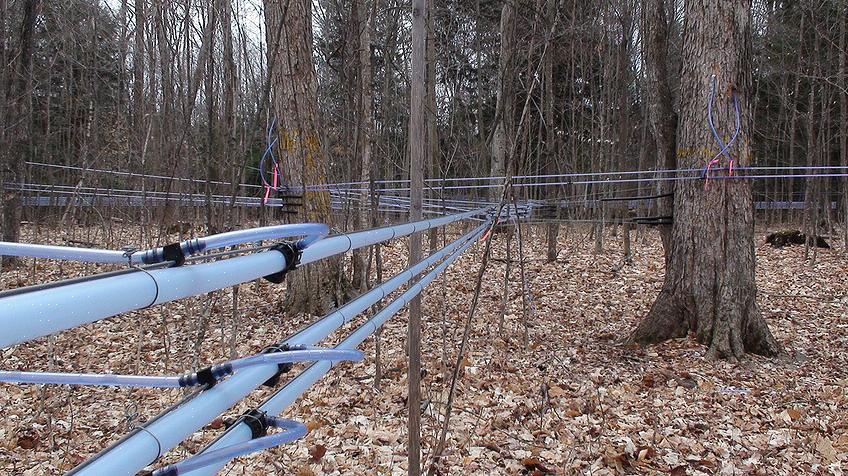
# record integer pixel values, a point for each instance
(282, 368)
(292, 255)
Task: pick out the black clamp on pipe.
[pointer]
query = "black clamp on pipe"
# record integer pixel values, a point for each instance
(653, 221)
(173, 252)
(282, 368)
(205, 377)
(292, 256)
(255, 419)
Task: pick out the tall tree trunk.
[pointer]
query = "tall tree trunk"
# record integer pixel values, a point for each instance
(228, 114)
(5, 77)
(709, 286)
(661, 113)
(843, 123)
(5, 175)
(389, 50)
(504, 115)
(318, 287)
(211, 118)
(552, 230)
(363, 127)
(138, 71)
(811, 152)
(17, 143)
(433, 149)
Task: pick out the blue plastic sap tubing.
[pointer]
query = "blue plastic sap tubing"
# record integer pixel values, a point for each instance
(297, 386)
(141, 448)
(293, 431)
(56, 378)
(175, 381)
(62, 252)
(340, 244)
(312, 231)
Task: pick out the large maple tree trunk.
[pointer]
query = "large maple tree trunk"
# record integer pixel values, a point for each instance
(318, 287)
(709, 286)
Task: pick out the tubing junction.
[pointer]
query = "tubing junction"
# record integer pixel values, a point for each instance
(163, 274)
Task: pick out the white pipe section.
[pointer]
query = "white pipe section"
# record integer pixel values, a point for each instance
(26, 316)
(70, 253)
(30, 315)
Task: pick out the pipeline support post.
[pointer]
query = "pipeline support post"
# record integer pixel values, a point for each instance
(417, 148)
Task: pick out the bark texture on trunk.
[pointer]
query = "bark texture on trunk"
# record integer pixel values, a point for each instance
(318, 287)
(363, 128)
(504, 114)
(843, 128)
(15, 139)
(709, 286)
(417, 154)
(552, 229)
(434, 155)
(661, 113)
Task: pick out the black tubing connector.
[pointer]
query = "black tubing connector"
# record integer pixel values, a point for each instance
(169, 470)
(292, 256)
(654, 221)
(205, 376)
(208, 376)
(173, 252)
(282, 368)
(255, 419)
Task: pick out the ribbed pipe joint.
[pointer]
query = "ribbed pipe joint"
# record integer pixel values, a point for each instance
(151, 256)
(193, 246)
(176, 252)
(169, 470)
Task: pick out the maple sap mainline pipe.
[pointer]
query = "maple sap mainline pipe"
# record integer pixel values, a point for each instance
(30, 315)
(166, 431)
(312, 231)
(343, 243)
(285, 396)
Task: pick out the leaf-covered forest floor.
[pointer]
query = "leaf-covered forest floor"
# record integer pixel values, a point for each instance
(574, 401)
